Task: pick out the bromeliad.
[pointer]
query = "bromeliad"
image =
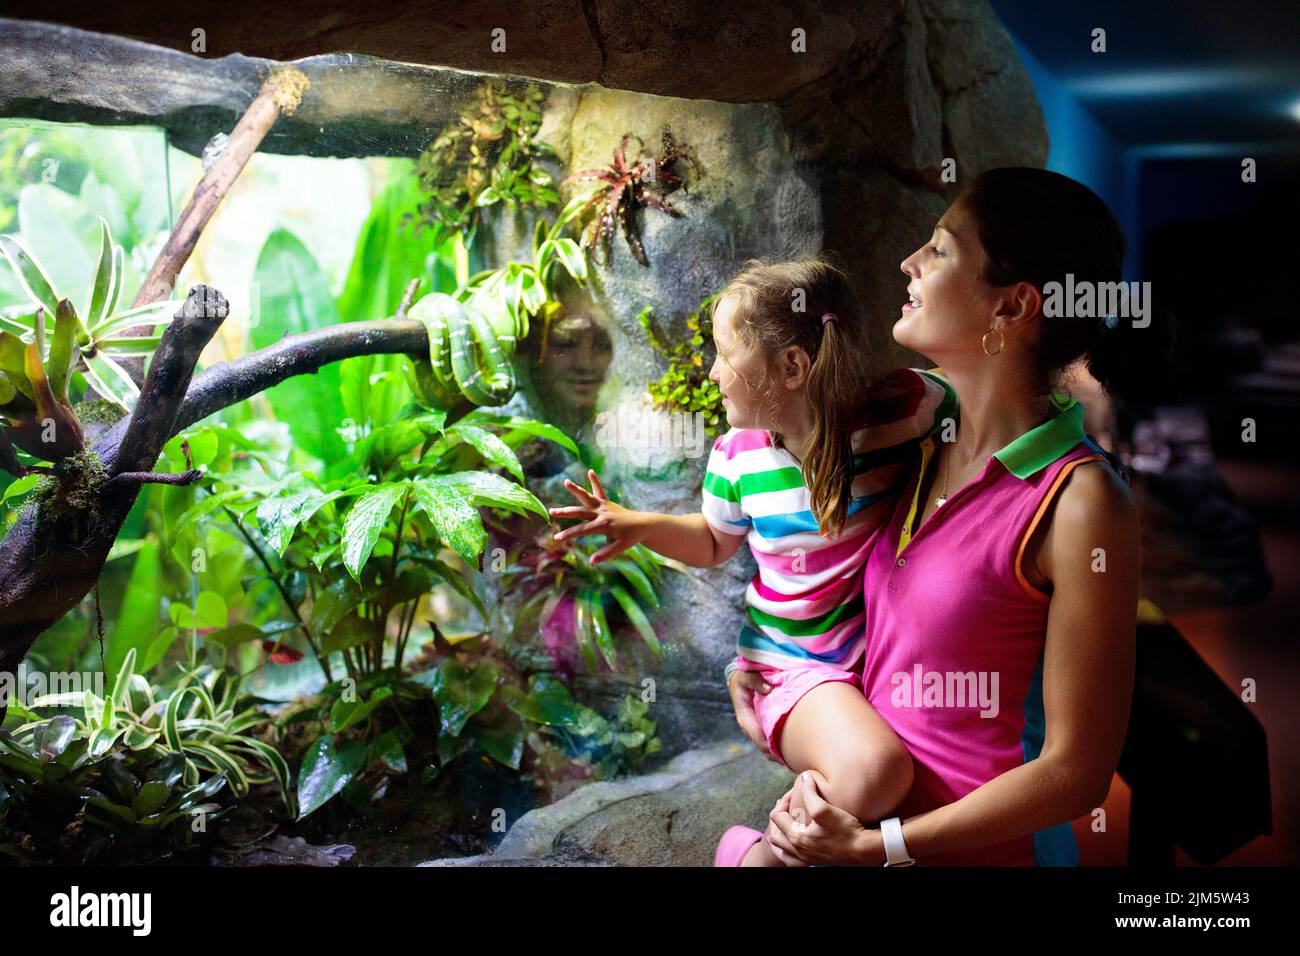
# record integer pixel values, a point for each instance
(626, 187)
(44, 342)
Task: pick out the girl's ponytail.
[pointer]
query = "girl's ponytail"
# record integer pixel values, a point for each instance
(829, 325)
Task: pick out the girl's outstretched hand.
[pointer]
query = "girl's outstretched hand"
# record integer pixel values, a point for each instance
(623, 528)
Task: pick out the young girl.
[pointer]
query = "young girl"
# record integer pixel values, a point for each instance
(806, 473)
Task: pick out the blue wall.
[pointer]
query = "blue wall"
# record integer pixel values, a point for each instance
(1081, 148)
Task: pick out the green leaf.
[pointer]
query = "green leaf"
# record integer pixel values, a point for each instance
(158, 647)
(547, 701)
(492, 449)
(129, 345)
(151, 798)
(154, 314)
(599, 626)
(638, 619)
(209, 611)
(334, 603)
(503, 742)
(101, 283)
(486, 489)
(637, 578)
(53, 736)
(453, 516)
(345, 714)
(352, 631)
(461, 692)
(326, 770)
(111, 380)
(388, 750)
(20, 487)
(278, 518)
(526, 426)
(235, 635)
(61, 349)
(364, 523)
(31, 277)
(142, 605)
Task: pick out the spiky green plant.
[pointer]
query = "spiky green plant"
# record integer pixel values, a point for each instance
(37, 363)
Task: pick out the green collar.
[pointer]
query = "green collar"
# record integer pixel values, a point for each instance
(1039, 447)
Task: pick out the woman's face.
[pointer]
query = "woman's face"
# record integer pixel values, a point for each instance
(738, 370)
(951, 306)
(578, 355)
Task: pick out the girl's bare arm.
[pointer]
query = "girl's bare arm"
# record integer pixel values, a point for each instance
(686, 538)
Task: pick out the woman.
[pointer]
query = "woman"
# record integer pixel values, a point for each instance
(1001, 597)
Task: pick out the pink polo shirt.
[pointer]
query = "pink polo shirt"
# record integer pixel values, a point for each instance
(955, 634)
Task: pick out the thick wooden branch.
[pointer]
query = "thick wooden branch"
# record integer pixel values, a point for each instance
(154, 419)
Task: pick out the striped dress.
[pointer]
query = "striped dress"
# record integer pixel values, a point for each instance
(804, 605)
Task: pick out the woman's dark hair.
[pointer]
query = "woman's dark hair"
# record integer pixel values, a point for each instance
(1039, 227)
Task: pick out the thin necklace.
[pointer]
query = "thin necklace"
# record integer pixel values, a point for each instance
(947, 465)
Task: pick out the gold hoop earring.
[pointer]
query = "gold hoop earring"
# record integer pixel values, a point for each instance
(984, 342)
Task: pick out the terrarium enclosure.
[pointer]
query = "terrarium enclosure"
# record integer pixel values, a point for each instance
(419, 297)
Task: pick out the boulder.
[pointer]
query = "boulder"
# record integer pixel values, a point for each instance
(674, 817)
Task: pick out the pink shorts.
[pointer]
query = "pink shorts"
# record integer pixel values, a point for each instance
(788, 686)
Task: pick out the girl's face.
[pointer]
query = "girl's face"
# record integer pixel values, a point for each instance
(951, 306)
(738, 371)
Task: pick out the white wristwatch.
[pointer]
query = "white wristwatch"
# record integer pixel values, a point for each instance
(891, 831)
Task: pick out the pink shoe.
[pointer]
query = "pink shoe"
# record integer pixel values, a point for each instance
(733, 846)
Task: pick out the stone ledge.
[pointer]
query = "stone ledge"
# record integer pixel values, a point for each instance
(673, 817)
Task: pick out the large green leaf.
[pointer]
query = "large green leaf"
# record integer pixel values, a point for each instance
(102, 280)
(503, 740)
(278, 518)
(334, 603)
(518, 428)
(111, 380)
(491, 448)
(388, 255)
(486, 489)
(295, 297)
(326, 770)
(547, 702)
(589, 600)
(638, 618)
(364, 522)
(461, 692)
(345, 714)
(453, 516)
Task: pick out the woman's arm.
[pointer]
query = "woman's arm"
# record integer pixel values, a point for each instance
(1087, 689)
(686, 538)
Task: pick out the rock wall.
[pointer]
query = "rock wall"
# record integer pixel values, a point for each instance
(852, 162)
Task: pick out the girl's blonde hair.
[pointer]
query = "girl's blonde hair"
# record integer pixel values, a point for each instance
(780, 305)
